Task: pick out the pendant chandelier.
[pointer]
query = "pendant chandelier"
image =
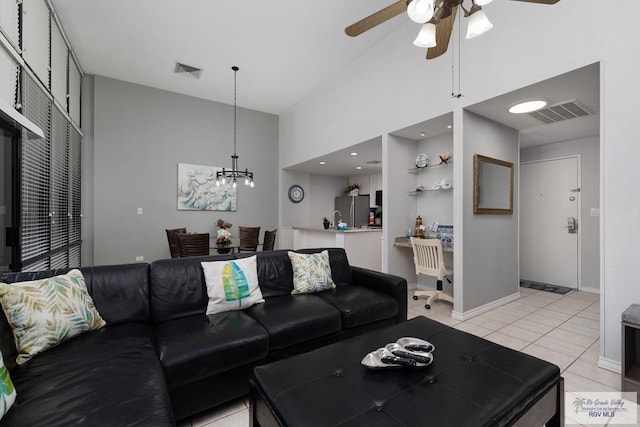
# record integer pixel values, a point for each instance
(233, 175)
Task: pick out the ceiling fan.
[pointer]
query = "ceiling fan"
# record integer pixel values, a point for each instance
(437, 18)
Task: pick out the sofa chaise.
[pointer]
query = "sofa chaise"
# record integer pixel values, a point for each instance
(161, 358)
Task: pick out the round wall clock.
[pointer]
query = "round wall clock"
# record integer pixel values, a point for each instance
(296, 193)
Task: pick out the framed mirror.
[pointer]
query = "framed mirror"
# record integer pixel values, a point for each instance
(492, 186)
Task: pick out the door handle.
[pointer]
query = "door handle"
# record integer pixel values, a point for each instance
(572, 225)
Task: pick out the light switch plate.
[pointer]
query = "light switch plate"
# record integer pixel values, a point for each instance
(595, 211)
(139, 211)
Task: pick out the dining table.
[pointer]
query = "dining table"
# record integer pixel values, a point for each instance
(233, 247)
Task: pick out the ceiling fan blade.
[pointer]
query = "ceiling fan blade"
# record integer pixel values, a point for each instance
(443, 34)
(540, 1)
(377, 18)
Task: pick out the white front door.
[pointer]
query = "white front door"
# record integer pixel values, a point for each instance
(549, 204)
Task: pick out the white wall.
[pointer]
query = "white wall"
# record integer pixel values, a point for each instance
(324, 190)
(589, 151)
(140, 135)
(391, 86)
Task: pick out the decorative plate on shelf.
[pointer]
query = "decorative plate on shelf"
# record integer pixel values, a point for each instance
(422, 161)
(296, 193)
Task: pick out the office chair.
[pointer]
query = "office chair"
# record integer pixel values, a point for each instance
(429, 260)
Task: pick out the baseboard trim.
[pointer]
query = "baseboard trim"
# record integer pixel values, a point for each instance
(610, 364)
(590, 290)
(484, 308)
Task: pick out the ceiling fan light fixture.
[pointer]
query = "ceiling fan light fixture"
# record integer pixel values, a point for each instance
(420, 11)
(427, 36)
(478, 22)
(527, 106)
(483, 2)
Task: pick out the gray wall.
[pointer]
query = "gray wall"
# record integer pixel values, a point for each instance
(490, 242)
(589, 151)
(87, 225)
(140, 135)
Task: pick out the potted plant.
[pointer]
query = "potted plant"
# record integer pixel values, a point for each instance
(326, 223)
(352, 189)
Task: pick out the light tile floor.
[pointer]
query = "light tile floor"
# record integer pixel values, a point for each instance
(562, 329)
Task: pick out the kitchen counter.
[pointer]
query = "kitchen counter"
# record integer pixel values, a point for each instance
(333, 230)
(363, 245)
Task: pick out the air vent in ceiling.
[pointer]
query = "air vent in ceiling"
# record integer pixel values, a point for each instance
(373, 162)
(183, 68)
(559, 112)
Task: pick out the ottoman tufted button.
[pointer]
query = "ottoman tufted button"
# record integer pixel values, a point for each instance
(430, 379)
(338, 373)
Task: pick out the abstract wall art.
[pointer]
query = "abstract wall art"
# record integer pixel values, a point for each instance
(197, 190)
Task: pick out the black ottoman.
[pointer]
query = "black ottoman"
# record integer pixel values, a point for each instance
(471, 382)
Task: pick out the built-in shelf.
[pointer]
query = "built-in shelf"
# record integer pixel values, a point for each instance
(415, 193)
(418, 170)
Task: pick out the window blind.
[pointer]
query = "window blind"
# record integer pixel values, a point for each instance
(59, 180)
(35, 37)
(36, 174)
(9, 21)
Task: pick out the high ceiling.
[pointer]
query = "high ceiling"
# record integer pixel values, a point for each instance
(284, 48)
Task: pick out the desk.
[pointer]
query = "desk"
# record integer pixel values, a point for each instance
(404, 242)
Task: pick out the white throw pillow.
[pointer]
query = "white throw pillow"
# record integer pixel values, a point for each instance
(311, 272)
(232, 284)
(44, 313)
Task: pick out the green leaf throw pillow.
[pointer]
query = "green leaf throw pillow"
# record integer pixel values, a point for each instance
(8, 392)
(232, 285)
(44, 313)
(311, 272)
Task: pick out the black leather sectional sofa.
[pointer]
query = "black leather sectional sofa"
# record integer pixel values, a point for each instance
(161, 358)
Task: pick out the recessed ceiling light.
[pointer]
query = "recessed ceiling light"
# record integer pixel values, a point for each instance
(527, 106)
(422, 134)
(358, 167)
(354, 153)
(323, 163)
(449, 127)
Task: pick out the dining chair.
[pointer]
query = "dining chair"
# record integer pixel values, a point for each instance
(173, 241)
(269, 240)
(193, 244)
(248, 238)
(429, 260)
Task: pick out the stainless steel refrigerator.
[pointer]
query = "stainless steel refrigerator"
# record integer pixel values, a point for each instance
(354, 209)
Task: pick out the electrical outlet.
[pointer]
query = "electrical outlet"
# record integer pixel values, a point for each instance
(139, 211)
(139, 258)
